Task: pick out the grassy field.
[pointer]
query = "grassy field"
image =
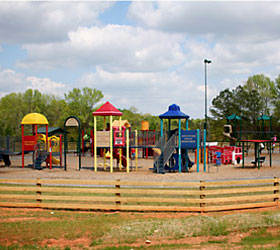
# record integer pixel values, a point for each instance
(56, 229)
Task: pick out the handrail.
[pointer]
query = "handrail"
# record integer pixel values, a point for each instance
(169, 149)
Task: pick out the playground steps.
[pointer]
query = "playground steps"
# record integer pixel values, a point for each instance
(166, 153)
(159, 165)
(40, 159)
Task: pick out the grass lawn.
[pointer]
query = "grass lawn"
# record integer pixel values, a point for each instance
(57, 229)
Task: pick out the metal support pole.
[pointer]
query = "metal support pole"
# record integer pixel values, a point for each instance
(179, 147)
(204, 149)
(94, 143)
(205, 74)
(197, 150)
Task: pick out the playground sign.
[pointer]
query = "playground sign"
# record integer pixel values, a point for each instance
(189, 138)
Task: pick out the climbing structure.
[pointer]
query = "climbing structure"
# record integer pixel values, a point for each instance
(29, 142)
(167, 143)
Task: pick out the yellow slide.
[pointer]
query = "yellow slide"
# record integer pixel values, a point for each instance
(55, 160)
(157, 151)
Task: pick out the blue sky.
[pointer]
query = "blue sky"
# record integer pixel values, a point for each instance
(148, 55)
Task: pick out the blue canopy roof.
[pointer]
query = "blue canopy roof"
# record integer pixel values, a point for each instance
(174, 113)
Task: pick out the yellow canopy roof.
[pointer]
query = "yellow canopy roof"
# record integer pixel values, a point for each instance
(34, 118)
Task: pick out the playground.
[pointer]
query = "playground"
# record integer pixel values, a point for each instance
(171, 153)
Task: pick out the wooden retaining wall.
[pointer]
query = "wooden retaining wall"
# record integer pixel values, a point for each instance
(203, 196)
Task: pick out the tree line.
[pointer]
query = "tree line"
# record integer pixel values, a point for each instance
(77, 102)
(258, 96)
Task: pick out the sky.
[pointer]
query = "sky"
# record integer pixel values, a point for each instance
(142, 54)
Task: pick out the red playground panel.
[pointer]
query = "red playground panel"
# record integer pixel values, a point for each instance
(229, 154)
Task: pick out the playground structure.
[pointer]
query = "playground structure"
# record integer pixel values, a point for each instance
(263, 136)
(72, 121)
(41, 145)
(146, 139)
(115, 142)
(173, 146)
(170, 149)
(115, 137)
(30, 142)
(105, 139)
(236, 131)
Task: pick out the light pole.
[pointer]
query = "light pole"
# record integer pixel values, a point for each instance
(206, 61)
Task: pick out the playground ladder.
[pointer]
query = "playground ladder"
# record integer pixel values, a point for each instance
(41, 156)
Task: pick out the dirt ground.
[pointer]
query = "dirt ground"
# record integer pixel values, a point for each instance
(231, 240)
(143, 173)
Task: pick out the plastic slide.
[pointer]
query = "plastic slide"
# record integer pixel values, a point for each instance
(157, 151)
(116, 155)
(55, 160)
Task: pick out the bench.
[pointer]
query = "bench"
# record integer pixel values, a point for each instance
(262, 159)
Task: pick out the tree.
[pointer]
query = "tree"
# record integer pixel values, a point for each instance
(33, 101)
(16, 105)
(243, 101)
(81, 103)
(56, 111)
(265, 88)
(224, 104)
(276, 99)
(133, 117)
(11, 114)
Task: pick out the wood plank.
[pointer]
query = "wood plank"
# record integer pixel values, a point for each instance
(121, 199)
(19, 189)
(153, 183)
(120, 207)
(99, 198)
(240, 198)
(139, 183)
(102, 190)
(140, 199)
(137, 208)
(159, 184)
(240, 190)
(240, 206)
(21, 181)
(242, 182)
(122, 183)
(102, 182)
(140, 191)
(19, 196)
(78, 182)
(20, 204)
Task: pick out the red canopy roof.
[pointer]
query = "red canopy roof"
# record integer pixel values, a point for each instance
(107, 109)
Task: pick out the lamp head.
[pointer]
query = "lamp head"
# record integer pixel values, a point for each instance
(207, 61)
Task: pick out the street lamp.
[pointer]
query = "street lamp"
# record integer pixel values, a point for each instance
(206, 61)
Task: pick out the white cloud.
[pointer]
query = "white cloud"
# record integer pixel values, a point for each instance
(151, 65)
(149, 92)
(251, 20)
(114, 47)
(46, 86)
(11, 81)
(41, 22)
